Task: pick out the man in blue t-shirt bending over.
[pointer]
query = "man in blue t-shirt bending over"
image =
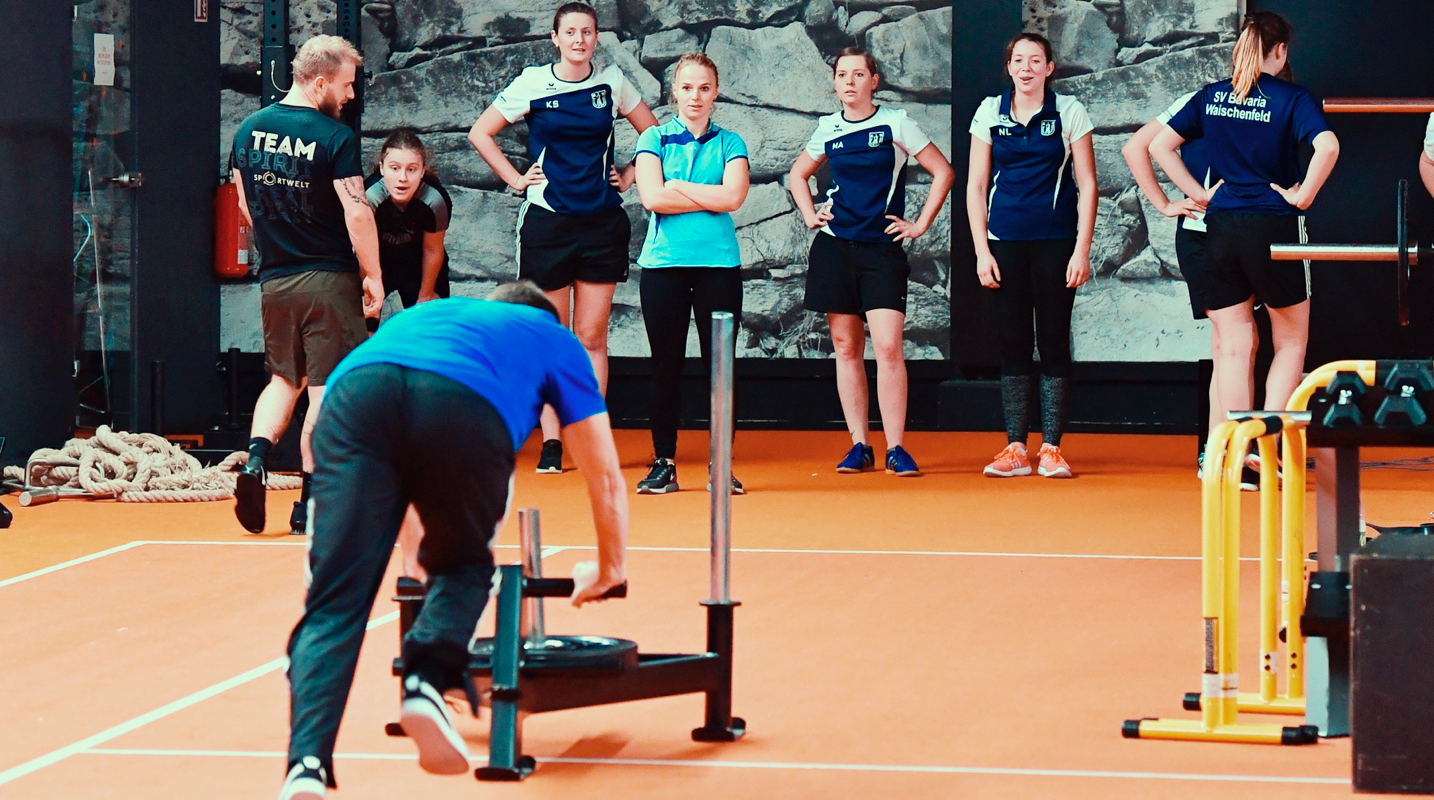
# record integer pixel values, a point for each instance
(430, 411)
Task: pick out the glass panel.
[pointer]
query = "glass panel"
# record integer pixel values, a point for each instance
(103, 213)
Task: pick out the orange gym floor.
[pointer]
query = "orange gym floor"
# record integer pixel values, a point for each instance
(948, 636)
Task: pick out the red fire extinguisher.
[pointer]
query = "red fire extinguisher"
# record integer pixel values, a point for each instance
(231, 234)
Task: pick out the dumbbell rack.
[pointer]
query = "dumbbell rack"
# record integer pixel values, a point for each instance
(1391, 409)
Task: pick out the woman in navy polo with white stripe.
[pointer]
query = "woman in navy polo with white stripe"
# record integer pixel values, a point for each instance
(573, 234)
(1031, 200)
(1253, 125)
(857, 269)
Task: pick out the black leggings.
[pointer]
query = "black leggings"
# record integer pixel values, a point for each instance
(1033, 280)
(388, 436)
(671, 297)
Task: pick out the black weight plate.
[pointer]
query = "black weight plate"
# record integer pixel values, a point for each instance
(565, 652)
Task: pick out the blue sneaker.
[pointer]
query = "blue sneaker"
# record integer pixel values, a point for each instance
(900, 463)
(859, 458)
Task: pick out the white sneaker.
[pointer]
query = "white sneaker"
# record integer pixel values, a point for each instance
(424, 717)
(306, 781)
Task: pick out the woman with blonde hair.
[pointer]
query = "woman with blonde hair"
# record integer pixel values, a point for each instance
(1253, 124)
(691, 174)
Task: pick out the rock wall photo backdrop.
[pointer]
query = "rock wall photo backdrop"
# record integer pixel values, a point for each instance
(436, 64)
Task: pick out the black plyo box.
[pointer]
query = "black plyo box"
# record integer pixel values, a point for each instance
(1392, 672)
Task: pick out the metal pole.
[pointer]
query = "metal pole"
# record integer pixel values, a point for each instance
(1378, 105)
(1340, 252)
(156, 397)
(723, 344)
(233, 376)
(530, 543)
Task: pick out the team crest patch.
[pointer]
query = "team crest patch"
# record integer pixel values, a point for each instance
(875, 138)
(1048, 127)
(600, 99)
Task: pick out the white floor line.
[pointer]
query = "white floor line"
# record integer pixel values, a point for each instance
(718, 763)
(142, 720)
(553, 549)
(72, 562)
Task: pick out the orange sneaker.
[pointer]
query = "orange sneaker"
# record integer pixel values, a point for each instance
(1052, 464)
(1010, 463)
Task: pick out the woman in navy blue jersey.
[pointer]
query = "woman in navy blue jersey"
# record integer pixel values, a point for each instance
(1252, 126)
(857, 269)
(1031, 201)
(572, 232)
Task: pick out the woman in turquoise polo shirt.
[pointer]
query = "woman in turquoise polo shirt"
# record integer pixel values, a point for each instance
(691, 174)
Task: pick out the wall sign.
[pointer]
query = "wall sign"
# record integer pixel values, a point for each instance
(201, 10)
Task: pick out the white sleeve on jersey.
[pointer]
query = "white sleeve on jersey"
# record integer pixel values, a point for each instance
(625, 94)
(909, 135)
(987, 115)
(817, 144)
(516, 99)
(1429, 139)
(1074, 119)
(1180, 102)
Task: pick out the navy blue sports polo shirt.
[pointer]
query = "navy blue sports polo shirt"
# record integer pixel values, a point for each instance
(570, 133)
(1193, 154)
(868, 161)
(1033, 190)
(1253, 143)
(516, 357)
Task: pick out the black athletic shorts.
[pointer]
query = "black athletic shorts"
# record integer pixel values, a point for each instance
(556, 249)
(846, 277)
(1238, 263)
(311, 321)
(1190, 254)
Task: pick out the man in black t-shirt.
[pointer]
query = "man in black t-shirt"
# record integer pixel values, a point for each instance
(301, 186)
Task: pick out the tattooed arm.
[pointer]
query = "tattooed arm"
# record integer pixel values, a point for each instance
(363, 233)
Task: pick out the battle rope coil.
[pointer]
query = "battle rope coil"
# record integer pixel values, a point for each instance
(134, 468)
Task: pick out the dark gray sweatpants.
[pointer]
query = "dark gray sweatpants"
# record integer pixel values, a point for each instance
(388, 436)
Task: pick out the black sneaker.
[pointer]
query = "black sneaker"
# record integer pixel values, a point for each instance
(1249, 480)
(249, 495)
(307, 781)
(661, 478)
(299, 518)
(424, 718)
(736, 484)
(551, 461)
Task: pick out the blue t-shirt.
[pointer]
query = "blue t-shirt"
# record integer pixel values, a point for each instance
(696, 238)
(1033, 190)
(1193, 154)
(868, 162)
(516, 357)
(570, 133)
(1254, 143)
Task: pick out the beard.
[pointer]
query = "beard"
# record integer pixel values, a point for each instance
(331, 104)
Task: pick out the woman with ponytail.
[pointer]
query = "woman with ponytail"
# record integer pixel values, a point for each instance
(1252, 126)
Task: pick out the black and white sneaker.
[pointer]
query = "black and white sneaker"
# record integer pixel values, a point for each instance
(249, 495)
(424, 717)
(551, 460)
(299, 518)
(307, 781)
(736, 484)
(661, 478)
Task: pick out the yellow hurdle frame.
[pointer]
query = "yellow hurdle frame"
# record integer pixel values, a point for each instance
(1282, 579)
